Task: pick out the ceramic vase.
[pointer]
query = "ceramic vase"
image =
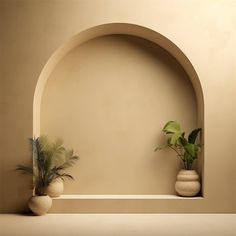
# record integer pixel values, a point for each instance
(187, 184)
(55, 188)
(40, 205)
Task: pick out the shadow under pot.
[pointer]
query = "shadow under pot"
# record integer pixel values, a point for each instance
(187, 184)
(40, 205)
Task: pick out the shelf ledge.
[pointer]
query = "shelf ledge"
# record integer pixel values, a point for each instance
(124, 197)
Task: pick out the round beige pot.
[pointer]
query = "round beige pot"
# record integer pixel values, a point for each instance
(40, 205)
(55, 188)
(187, 184)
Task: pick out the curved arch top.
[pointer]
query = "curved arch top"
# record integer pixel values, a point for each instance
(109, 29)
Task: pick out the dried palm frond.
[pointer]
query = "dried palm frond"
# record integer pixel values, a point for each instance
(50, 159)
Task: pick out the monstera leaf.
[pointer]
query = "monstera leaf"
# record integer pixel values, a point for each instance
(186, 149)
(192, 149)
(173, 129)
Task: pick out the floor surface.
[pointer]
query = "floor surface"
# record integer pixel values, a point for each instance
(118, 224)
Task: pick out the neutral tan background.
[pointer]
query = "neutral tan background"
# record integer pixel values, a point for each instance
(204, 30)
(109, 99)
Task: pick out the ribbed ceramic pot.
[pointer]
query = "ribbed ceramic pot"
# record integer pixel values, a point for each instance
(40, 205)
(55, 188)
(187, 184)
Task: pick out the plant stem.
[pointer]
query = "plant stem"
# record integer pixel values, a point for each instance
(178, 154)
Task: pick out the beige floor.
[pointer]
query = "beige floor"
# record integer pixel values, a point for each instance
(119, 224)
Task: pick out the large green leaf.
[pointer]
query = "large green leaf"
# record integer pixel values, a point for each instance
(172, 127)
(182, 140)
(175, 138)
(193, 135)
(192, 149)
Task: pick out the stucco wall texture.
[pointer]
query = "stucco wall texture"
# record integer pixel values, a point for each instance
(205, 31)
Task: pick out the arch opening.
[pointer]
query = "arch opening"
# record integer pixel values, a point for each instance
(119, 36)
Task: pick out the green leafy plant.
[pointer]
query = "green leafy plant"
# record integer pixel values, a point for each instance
(186, 149)
(50, 159)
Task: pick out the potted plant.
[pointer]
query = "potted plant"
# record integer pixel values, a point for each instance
(59, 159)
(47, 167)
(187, 150)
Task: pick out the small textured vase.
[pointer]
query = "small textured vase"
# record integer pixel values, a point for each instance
(40, 205)
(187, 184)
(55, 188)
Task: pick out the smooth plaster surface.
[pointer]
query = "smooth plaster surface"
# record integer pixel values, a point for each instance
(204, 30)
(119, 224)
(109, 99)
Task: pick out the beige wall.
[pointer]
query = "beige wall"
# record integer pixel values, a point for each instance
(203, 30)
(109, 99)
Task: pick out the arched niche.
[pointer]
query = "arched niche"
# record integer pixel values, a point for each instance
(134, 34)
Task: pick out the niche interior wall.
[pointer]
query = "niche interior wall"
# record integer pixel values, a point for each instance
(107, 93)
(36, 36)
(109, 99)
